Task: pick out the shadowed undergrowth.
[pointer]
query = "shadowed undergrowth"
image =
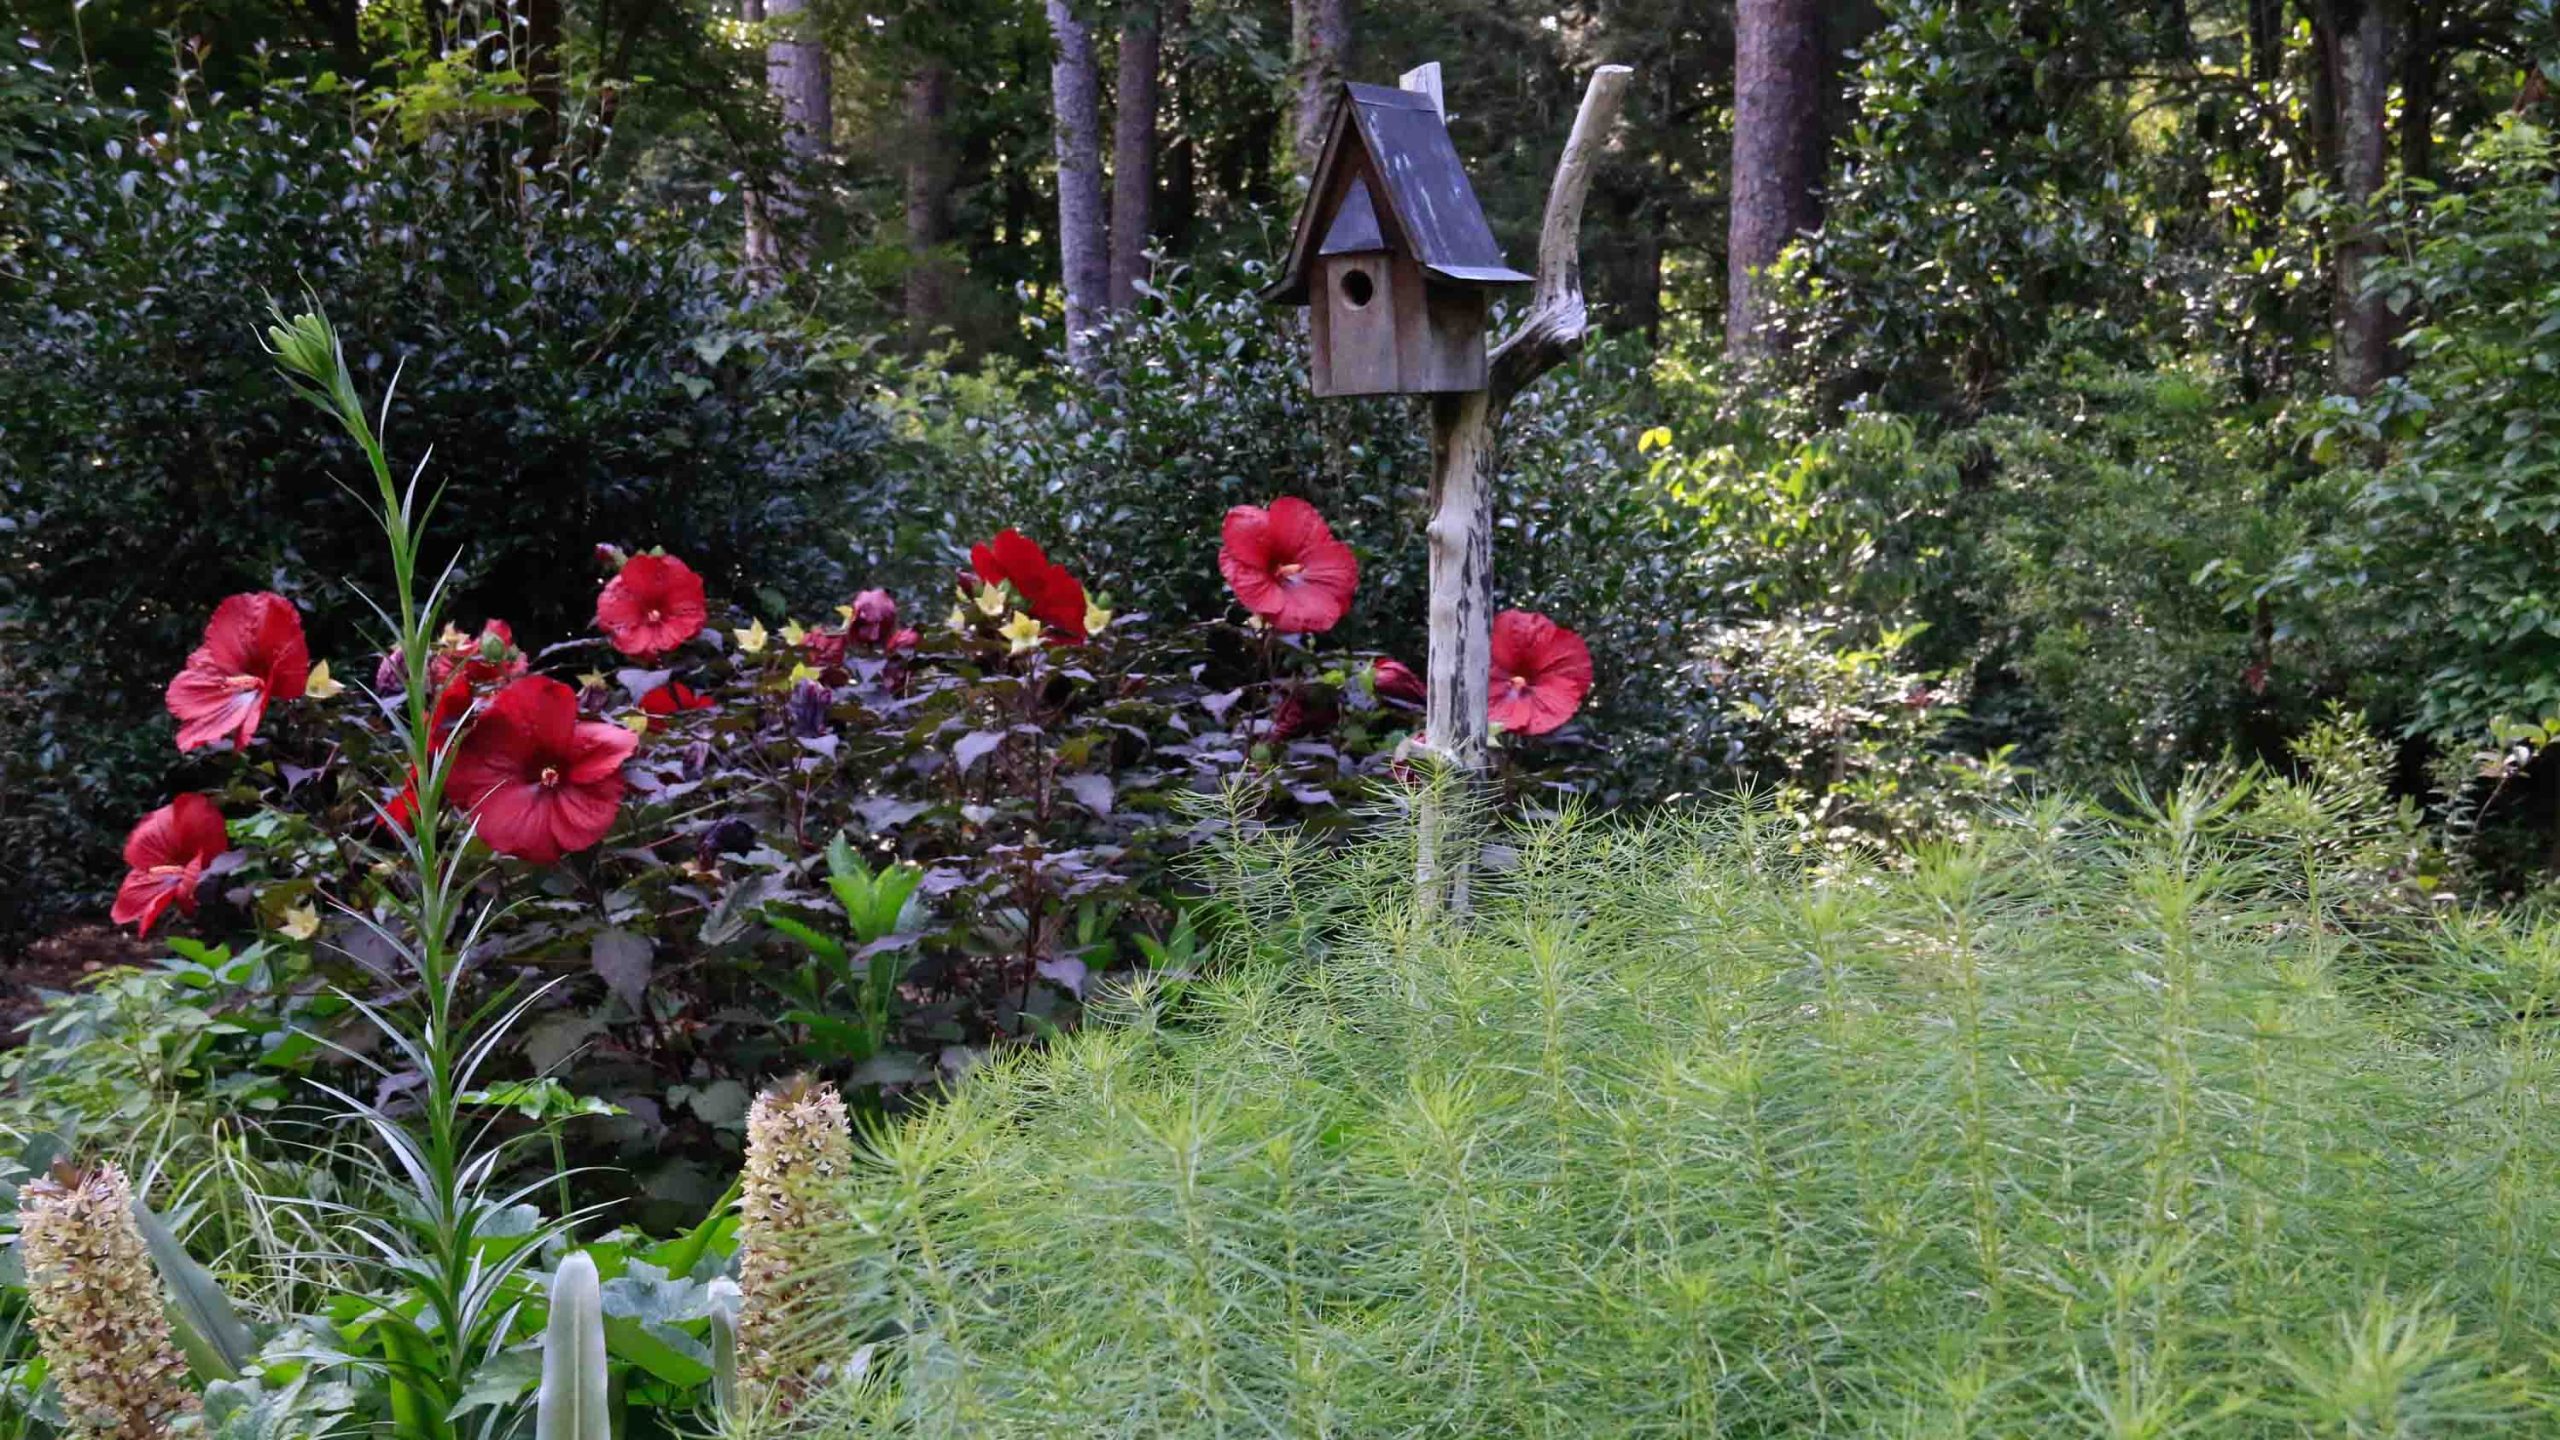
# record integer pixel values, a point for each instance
(2090, 1126)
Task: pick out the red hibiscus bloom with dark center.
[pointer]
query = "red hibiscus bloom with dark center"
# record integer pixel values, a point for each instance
(540, 782)
(875, 617)
(253, 653)
(166, 855)
(653, 606)
(1286, 567)
(1541, 671)
(1051, 595)
(674, 698)
(1395, 680)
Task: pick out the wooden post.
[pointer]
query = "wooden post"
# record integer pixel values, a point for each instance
(1461, 531)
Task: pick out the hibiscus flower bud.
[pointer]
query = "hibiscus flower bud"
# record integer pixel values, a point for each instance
(875, 617)
(391, 677)
(732, 836)
(825, 648)
(807, 710)
(610, 559)
(799, 1149)
(95, 1300)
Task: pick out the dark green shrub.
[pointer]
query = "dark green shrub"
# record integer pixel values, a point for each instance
(573, 351)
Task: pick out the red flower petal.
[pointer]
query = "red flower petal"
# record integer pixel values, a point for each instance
(252, 654)
(1051, 595)
(1541, 672)
(672, 698)
(1395, 680)
(1285, 566)
(655, 604)
(537, 780)
(167, 852)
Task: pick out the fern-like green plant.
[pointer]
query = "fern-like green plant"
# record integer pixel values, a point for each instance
(2092, 1123)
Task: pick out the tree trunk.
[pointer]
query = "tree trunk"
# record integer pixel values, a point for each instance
(928, 144)
(795, 70)
(540, 65)
(1460, 535)
(1084, 263)
(2418, 92)
(1777, 141)
(1319, 48)
(1133, 150)
(2364, 51)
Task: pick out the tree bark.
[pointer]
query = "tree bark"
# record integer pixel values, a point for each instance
(795, 70)
(2364, 51)
(540, 65)
(1084, 263)
(1133, 150)
(1460, 535)
(1319, 48)
(1777, 142)
(929, 171)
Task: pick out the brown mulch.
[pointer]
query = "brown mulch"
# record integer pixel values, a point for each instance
(57, 963)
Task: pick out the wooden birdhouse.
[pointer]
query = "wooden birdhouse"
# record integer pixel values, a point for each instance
(1392, 256)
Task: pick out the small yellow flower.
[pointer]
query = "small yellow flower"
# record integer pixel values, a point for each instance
(591, 680)
(991, 601)
(301, 922)
(1096, 618)
(321, 686)
(751, 639)
(453, 638)
(844, 613)
(636, 723)
(793, 632)
(1022, 633)
(958, 619)
(803, 672)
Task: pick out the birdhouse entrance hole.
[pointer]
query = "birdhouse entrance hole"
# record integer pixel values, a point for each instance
(1358, 289)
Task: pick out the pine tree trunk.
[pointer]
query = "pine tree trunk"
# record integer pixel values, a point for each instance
(1319, 48)
(928, 144)
(2364, 49)
(795, 70)
(1777, 142)
(1133, 150)
(541, 66)
(1084, 262)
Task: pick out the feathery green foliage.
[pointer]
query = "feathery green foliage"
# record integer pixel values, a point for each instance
(2087, 1126)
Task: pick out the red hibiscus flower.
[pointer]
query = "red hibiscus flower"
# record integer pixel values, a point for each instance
(167, 854)
(541, 782)
(1052, 596)
(674, 698)
(1394, 680)
(654, 605)
(875, 617)
(253, 653)
(1541, 671)
(825, 648)
(1286, 567)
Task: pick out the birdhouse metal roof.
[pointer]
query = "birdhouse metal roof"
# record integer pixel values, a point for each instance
(1398, 139)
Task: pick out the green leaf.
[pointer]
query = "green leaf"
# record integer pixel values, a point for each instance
(217, 1344)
